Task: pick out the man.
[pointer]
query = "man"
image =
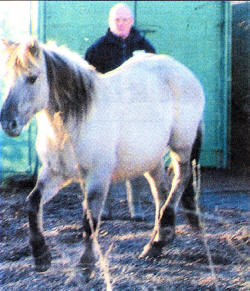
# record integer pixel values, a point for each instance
(119, 43)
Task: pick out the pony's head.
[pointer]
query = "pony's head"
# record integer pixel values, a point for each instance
(28, 91)
(44, 77)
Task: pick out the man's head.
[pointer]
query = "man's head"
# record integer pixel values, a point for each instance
(121, 20)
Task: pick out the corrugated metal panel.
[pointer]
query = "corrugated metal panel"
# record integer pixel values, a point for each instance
(197, 33)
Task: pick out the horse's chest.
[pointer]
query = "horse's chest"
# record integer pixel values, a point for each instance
(58, 155)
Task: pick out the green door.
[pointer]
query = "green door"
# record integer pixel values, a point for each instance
(197, 33)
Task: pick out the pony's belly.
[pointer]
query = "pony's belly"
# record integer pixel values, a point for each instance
(136, 163)
(128, 170)
(140, 151)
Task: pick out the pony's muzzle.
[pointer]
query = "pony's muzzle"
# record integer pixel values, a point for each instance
(10, 127)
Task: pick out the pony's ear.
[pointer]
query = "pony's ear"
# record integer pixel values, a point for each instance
(7, 45)
(33, 48)
(6, 49)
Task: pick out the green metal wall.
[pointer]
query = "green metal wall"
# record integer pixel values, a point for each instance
(197, 33)
(17, 155)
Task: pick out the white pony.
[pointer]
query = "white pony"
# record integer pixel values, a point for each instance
(100, 128)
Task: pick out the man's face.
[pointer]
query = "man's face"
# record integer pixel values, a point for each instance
(120, 22)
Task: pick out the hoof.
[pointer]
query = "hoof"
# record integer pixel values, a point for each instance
(86, 272)
(138, 218)
(41, 255)
(43, 262)
(193, 221)
(87, 264)
(152, 250)
(105, 217)
(137, 213)
(79, 277)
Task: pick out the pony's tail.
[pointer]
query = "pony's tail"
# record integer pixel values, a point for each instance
(196, 149)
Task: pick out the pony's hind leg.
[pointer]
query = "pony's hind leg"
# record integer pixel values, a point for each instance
(164, 230)
(188, 199)
(134, 189)
(43, 191)
(160, 186)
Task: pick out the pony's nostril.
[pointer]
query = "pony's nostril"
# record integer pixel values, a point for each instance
(13, 124)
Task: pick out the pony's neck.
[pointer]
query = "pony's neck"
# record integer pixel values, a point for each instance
(71, 85)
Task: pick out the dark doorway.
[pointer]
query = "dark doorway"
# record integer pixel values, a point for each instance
(240, 136)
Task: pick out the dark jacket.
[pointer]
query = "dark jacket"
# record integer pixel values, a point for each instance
(110, 51)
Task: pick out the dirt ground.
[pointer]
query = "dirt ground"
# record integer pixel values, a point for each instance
(215, 259)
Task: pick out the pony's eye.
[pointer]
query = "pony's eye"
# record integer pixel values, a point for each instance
(31, 79)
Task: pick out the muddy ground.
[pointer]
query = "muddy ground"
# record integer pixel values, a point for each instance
(184, 265)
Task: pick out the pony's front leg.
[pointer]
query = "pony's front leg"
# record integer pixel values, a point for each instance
(46, 187)
(95, 192)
